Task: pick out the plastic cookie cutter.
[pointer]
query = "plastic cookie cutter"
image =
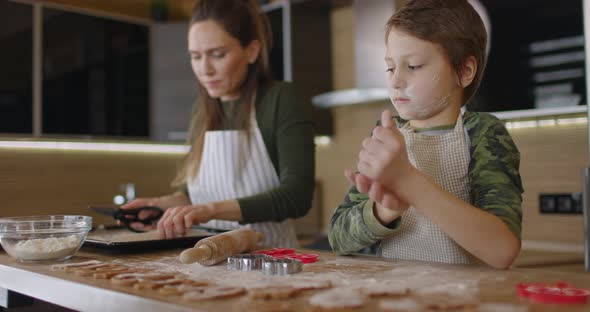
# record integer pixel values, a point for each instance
(280, 253)
(304, 257)
(245, 262)
(282, 266)
(276, 251)
(558, 293)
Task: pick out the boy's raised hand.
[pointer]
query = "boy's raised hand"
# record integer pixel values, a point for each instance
(383, 157)
(373, 155)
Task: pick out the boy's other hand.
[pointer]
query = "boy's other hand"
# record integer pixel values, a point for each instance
(384, 197)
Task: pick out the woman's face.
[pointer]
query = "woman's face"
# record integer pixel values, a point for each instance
(218, 60)
(422, 84)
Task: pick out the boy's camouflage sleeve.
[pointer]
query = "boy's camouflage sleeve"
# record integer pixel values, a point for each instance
(354, 226)
(496, 186)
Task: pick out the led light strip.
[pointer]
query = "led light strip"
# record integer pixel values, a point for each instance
(572, 121)
(179, 149)
(175, 149)
(546, 123)
(99, 147)
(322, 140)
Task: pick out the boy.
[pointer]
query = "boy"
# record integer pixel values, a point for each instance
(434, 184)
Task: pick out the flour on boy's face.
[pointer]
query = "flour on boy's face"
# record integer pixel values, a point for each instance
(421, 81)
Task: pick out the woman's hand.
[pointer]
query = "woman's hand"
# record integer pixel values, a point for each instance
(172, 200)
(383, 157)
(176, 220)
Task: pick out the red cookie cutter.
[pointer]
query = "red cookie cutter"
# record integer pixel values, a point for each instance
(276, 251)
(289, 253)
(305, 258)
(561, 293)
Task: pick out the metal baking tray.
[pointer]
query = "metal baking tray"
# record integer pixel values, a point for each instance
(116, 238)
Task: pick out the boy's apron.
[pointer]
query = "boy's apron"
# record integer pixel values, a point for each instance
(445, 158)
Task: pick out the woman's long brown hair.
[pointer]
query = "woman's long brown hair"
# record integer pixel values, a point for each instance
(243, 20)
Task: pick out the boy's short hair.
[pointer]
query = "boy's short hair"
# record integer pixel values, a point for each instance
(452, 24)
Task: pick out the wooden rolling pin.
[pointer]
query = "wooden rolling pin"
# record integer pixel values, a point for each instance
(217, 248)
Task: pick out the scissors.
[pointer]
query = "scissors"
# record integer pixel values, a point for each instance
(128, 216)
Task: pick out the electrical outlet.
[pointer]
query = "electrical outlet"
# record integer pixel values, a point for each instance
(580, 203)
(561, 203)
(547, 203)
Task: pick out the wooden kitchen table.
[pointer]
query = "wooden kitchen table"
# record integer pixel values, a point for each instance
(87, 294)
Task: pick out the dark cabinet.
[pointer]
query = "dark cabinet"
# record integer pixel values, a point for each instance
(536, 57)
(16, 80)
(301, 51)
(95, 76)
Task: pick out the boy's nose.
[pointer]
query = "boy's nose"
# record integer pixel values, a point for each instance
(397, 81)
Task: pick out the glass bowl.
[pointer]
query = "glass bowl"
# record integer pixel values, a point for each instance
(42, 238)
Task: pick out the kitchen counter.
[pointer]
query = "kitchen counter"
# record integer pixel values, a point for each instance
(542, 258)
(87, 294)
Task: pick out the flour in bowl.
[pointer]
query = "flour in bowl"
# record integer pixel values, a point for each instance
(47, 248)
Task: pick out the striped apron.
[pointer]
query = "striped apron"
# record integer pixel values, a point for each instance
(445, 158)
(231, 168)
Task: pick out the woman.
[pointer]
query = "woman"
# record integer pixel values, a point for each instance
(251, 161)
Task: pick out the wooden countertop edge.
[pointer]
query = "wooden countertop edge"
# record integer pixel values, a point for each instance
(57, 290)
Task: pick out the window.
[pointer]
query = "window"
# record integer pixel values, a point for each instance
(95, 76)
(16, 81)
(95, 73)
(536, 57)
